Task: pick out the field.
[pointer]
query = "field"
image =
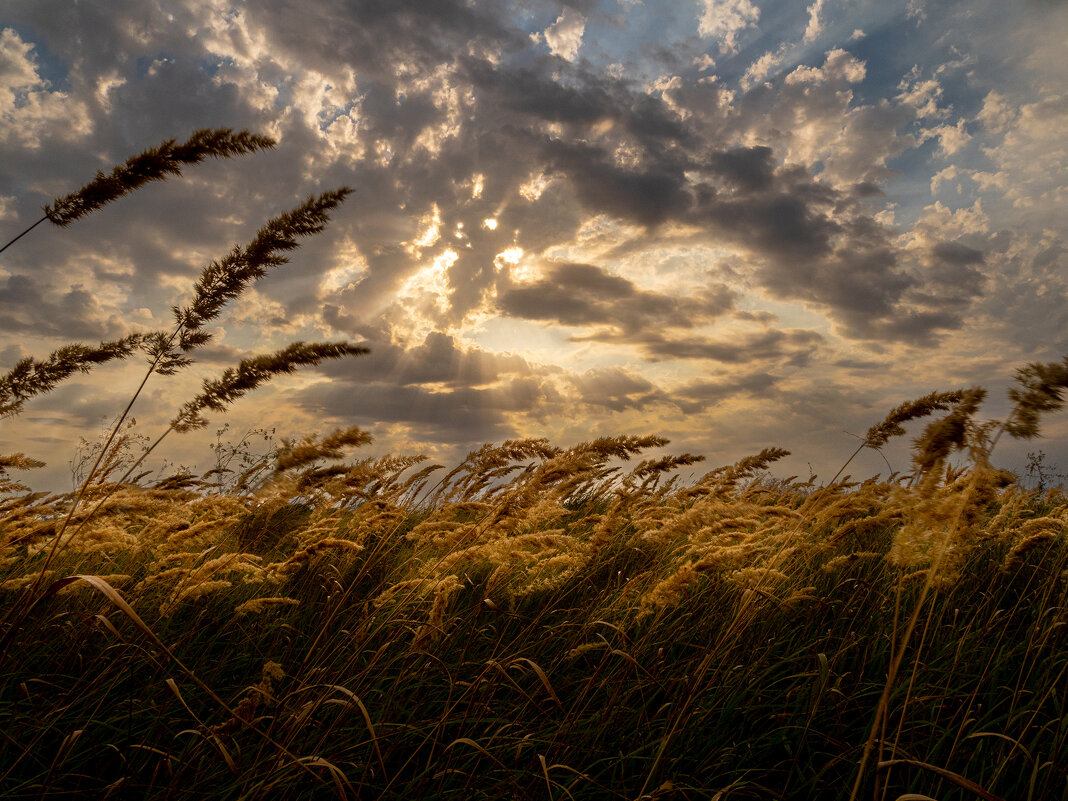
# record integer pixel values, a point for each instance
(537, 625)
(537, 622)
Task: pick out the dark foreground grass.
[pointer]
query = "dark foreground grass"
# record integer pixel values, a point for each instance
(570, 690)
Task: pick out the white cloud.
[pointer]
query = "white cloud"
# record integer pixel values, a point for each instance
(815, 28)
(814, 119)
(951, 138)
(997, 114)
(17, 68)
(564, 36)
(725, 19)
(1033, 155)
(944, 177)
(939, 222)
(923, 96)
(7, 207)
(704, 62)
(839, 66)
(28, 107)
(760, 69)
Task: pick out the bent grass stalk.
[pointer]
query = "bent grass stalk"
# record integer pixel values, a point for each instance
(1042, 392)
(220, 282)
(154, 164)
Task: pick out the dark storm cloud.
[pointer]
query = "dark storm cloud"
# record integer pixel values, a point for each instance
(956, 254)
(461, 415)
(74, 314)
(792, 347)
(649, 195)
(750, 168)
(532, 94)
(438, 360)
(446, 392)
(374, 36)
(615, 389)
(586, 295)
(954, 275)
(698, 396)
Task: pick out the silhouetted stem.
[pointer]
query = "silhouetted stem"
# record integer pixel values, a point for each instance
(17, 238)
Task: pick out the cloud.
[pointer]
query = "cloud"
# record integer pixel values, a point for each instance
(27, 307)
(922, 95)
(698, 396)
(564, 37)
(439, 360)
(793, 347)
(951, 138)
(440, 416)
(762, 67)
(614, 388)
(584, 295)
(814, 27)
(725, 19)
(997, 114)
(31, 112)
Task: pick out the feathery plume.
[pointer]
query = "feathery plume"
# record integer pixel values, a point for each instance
(948, 433)
(880, 433)
(307, 451)
(1040, 390)
(222, 281)
(235, 382)
(30, 377)
(891, 426)
(155, 164)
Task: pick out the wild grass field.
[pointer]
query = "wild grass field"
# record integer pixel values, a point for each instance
(537, 622)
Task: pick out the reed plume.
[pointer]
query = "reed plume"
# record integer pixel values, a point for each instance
(891, 426)
(949, 433)
(308, 451)
(1040, 390)
(225, 279)
(155, 164)
(30, 377)
(236, 382)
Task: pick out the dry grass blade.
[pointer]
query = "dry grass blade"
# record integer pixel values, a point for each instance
(341, 781)
(477, 747)
(545, 773)
(173, 685)
(366, 719)
(543, 678)
(65, 748)
(112, 595)
(948, 775)
(1016, 744)
(211, 737)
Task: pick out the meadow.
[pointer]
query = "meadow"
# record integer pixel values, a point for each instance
(537, 622)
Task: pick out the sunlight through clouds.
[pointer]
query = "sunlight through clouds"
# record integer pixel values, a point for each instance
(723, 215)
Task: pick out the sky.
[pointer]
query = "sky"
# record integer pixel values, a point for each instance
(733, 223)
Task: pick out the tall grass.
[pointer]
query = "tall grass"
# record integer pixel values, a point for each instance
(538, 622)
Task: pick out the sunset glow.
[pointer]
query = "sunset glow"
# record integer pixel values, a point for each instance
(733, 224)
